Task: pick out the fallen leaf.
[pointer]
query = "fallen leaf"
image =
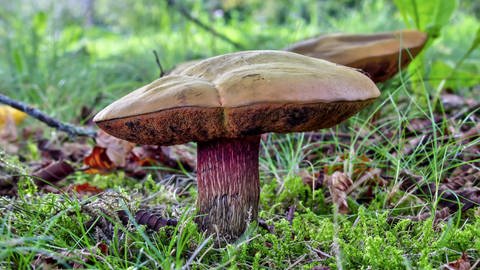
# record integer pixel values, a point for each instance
(453, 101)
(148, 155)
(8, 181)
(116, 149)
(98, 161)
(170, 156)
(312, 180)
(338, 184)
(112, 153)
(85, 189)
(53, 173)
(7, 113)
(471, 134)
(463, 263)
(76, 259)
(102, 247)
(360, 164)
(440, 215)
(75, 151)
(461, 189)
(56, 149)
(184, 153)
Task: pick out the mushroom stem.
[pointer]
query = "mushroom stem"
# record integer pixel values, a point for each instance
(228, 185)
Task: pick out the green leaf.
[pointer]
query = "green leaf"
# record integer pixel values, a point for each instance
(71, 37)
(443, 12)
(405, 7)
(462, 76)
(18, 60)
(475, 43)
(40, 23)
(430, 16)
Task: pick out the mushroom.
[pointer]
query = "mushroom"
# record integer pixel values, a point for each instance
(379, 55)
(182, 66)
(224, 104)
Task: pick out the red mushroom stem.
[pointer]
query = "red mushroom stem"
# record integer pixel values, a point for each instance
(228, 185)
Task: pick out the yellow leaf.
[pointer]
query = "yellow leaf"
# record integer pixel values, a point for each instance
(9, 112)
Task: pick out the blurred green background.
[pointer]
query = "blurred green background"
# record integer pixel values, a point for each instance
(61, 55)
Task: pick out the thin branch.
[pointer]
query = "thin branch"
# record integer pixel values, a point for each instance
(48, 120)
(214, 32)
(162, 72)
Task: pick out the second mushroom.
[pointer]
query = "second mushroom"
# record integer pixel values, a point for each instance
(224, 104)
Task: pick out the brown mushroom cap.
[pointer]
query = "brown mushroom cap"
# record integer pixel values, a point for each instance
(182, 66)
(236, 95)
(376, 54)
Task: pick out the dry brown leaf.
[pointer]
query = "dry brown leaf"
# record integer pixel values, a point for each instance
(53, 173)
(111, 153)
(313, 180)
(338, 184)
(152, 154)
(75, 151)
(365, 183)
(359, 165)
(56, 149)
(98, 161)
(440, 215)
(461, 189)
(184, 153)
(70, 258)
(463, 263)
(85, 189)
(471, 134)
(116, 149)
(453, 101)
(8, 181)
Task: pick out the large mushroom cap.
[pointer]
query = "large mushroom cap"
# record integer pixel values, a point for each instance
(182, 66)
(236, 95)
(376, 54)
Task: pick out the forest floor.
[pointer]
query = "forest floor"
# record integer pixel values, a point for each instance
(397, 186)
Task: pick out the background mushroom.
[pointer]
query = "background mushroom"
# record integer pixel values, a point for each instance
(224, 103)
(380, 55)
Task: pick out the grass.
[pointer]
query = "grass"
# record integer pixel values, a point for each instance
(59, 66)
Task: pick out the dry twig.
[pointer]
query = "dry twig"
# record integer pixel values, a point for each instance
(50, 121)
(182, 10)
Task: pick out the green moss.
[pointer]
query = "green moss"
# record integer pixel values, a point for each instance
(366, 239)
(275, 198)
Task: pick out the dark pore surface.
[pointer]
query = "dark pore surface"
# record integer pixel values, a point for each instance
(182, 125)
